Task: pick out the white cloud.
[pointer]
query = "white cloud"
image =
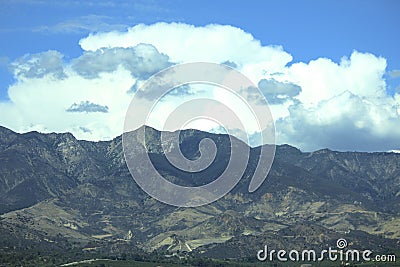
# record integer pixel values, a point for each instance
(322, 79)
(278, 92)
(83, 24)
(142, 60)
(86, 106)
(316, 104)
(187, 43)
(87, 96)
(342, 106)
(39, 65)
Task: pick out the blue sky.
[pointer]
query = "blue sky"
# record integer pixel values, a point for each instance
(306, 30)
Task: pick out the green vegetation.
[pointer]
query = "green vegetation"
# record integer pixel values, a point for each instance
(65, 200)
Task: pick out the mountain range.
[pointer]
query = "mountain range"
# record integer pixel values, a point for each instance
(63, 196)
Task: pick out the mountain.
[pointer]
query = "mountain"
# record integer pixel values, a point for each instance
(65, 199)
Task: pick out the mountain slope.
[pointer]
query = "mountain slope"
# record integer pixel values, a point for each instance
(61, 193)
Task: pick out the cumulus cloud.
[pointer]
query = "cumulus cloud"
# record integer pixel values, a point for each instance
(39, 65)
(340, 105)
(322, 79)
(41, 104)
(86, 106)
(188, 43)
(278, 92)
(142, 61)
(345, 122)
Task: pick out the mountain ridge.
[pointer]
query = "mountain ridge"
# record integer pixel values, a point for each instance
(80, 195)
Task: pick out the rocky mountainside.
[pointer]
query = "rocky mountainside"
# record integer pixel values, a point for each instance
(60, 193)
